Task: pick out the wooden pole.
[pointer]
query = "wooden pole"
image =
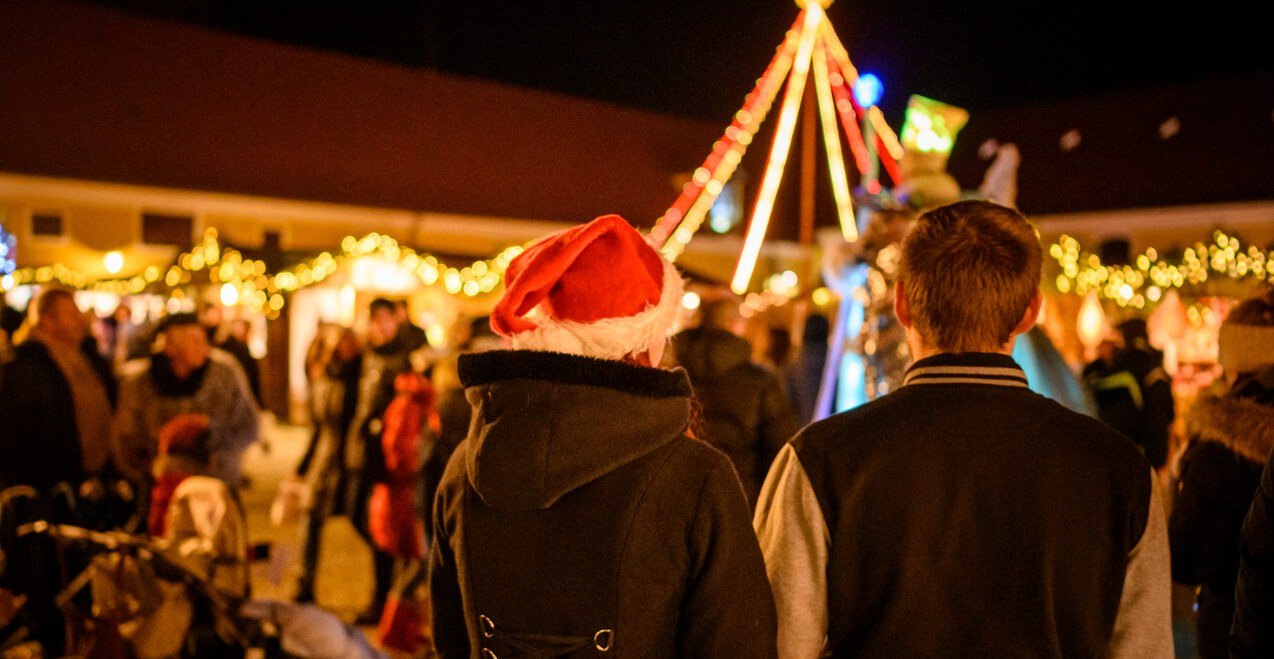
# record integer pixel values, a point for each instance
(809, 122)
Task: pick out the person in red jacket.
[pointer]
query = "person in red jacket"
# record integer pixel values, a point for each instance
(394, 522)
(411, 428)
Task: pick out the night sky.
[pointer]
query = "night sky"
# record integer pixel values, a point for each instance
(697, 59)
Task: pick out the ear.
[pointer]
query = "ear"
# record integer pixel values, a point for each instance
(655, 351)
(1032, 313)
(900, 306)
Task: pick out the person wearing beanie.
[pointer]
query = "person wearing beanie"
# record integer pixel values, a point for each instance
(578, 515)
(1231, 429)
(386, 356)
(186, 376)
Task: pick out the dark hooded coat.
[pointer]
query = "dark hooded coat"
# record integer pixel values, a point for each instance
(578, 516)
(1252, 635)
(1232, 434)
(743, 409)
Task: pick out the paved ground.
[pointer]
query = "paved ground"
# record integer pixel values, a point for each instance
(344, 584)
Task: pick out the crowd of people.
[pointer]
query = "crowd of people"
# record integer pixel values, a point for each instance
(569, 478)
(106, 446)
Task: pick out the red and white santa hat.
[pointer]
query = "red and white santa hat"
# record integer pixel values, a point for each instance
(598, 289)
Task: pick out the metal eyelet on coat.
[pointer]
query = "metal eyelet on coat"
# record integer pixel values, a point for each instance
(603, 640)
(488, 654)
(487, 627)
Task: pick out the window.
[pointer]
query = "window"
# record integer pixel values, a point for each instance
(45, 223)
(172, 230)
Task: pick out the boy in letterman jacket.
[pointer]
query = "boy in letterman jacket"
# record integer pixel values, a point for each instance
(964, 515)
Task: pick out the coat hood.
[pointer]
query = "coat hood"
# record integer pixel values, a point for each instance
(707, 352)
(548, 423)
(1240, 417)
(415, 386)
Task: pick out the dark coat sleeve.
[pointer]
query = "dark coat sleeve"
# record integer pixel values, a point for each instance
(1158, 416)
(1202, 520)
(1252, 634)
(777, 424)
(39, 442)
(450, 633)
(729, 608)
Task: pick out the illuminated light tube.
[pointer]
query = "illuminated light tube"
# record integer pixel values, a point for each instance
(887, 135)
(778, 152)
(890, 150)
(888, 143)
(848, 118)
(831, 143)
(754, 110)
(846, 106)
(840, 56)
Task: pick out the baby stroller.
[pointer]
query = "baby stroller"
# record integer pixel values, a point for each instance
(185, 594)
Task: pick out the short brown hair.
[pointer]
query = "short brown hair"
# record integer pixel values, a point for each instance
(969, 271)
(50, 297)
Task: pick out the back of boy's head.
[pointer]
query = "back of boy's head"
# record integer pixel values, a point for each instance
(969, 271)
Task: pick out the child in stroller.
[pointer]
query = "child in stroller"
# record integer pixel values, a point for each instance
(184, 592)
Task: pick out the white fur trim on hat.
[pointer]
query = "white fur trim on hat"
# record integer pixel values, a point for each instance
(609, 338)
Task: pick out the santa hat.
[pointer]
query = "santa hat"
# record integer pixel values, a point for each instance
(598, 289)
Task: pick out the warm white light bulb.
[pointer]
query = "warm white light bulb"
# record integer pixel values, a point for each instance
(114, 262)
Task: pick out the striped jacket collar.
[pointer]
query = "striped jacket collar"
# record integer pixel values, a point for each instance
(967, 368)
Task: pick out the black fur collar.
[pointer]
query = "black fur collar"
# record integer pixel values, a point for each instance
(493, 366)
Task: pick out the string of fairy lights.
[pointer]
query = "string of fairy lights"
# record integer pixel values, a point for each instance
(247, 282)
(811, 45)
(1149, 276)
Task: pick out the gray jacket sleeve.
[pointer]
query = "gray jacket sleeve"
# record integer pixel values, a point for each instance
(1143, 626)
(237, 425)
(795, 543)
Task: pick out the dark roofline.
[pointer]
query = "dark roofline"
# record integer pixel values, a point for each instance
(97, 94)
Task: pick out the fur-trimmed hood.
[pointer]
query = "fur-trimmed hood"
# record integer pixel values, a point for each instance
(1243, 424)
(547, 423)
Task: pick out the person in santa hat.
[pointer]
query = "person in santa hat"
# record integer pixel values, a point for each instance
(578, 515)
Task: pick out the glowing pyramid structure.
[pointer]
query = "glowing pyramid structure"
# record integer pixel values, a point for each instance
(811, 44)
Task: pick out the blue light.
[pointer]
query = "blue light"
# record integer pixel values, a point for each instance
(8, 249)
(868, 90)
